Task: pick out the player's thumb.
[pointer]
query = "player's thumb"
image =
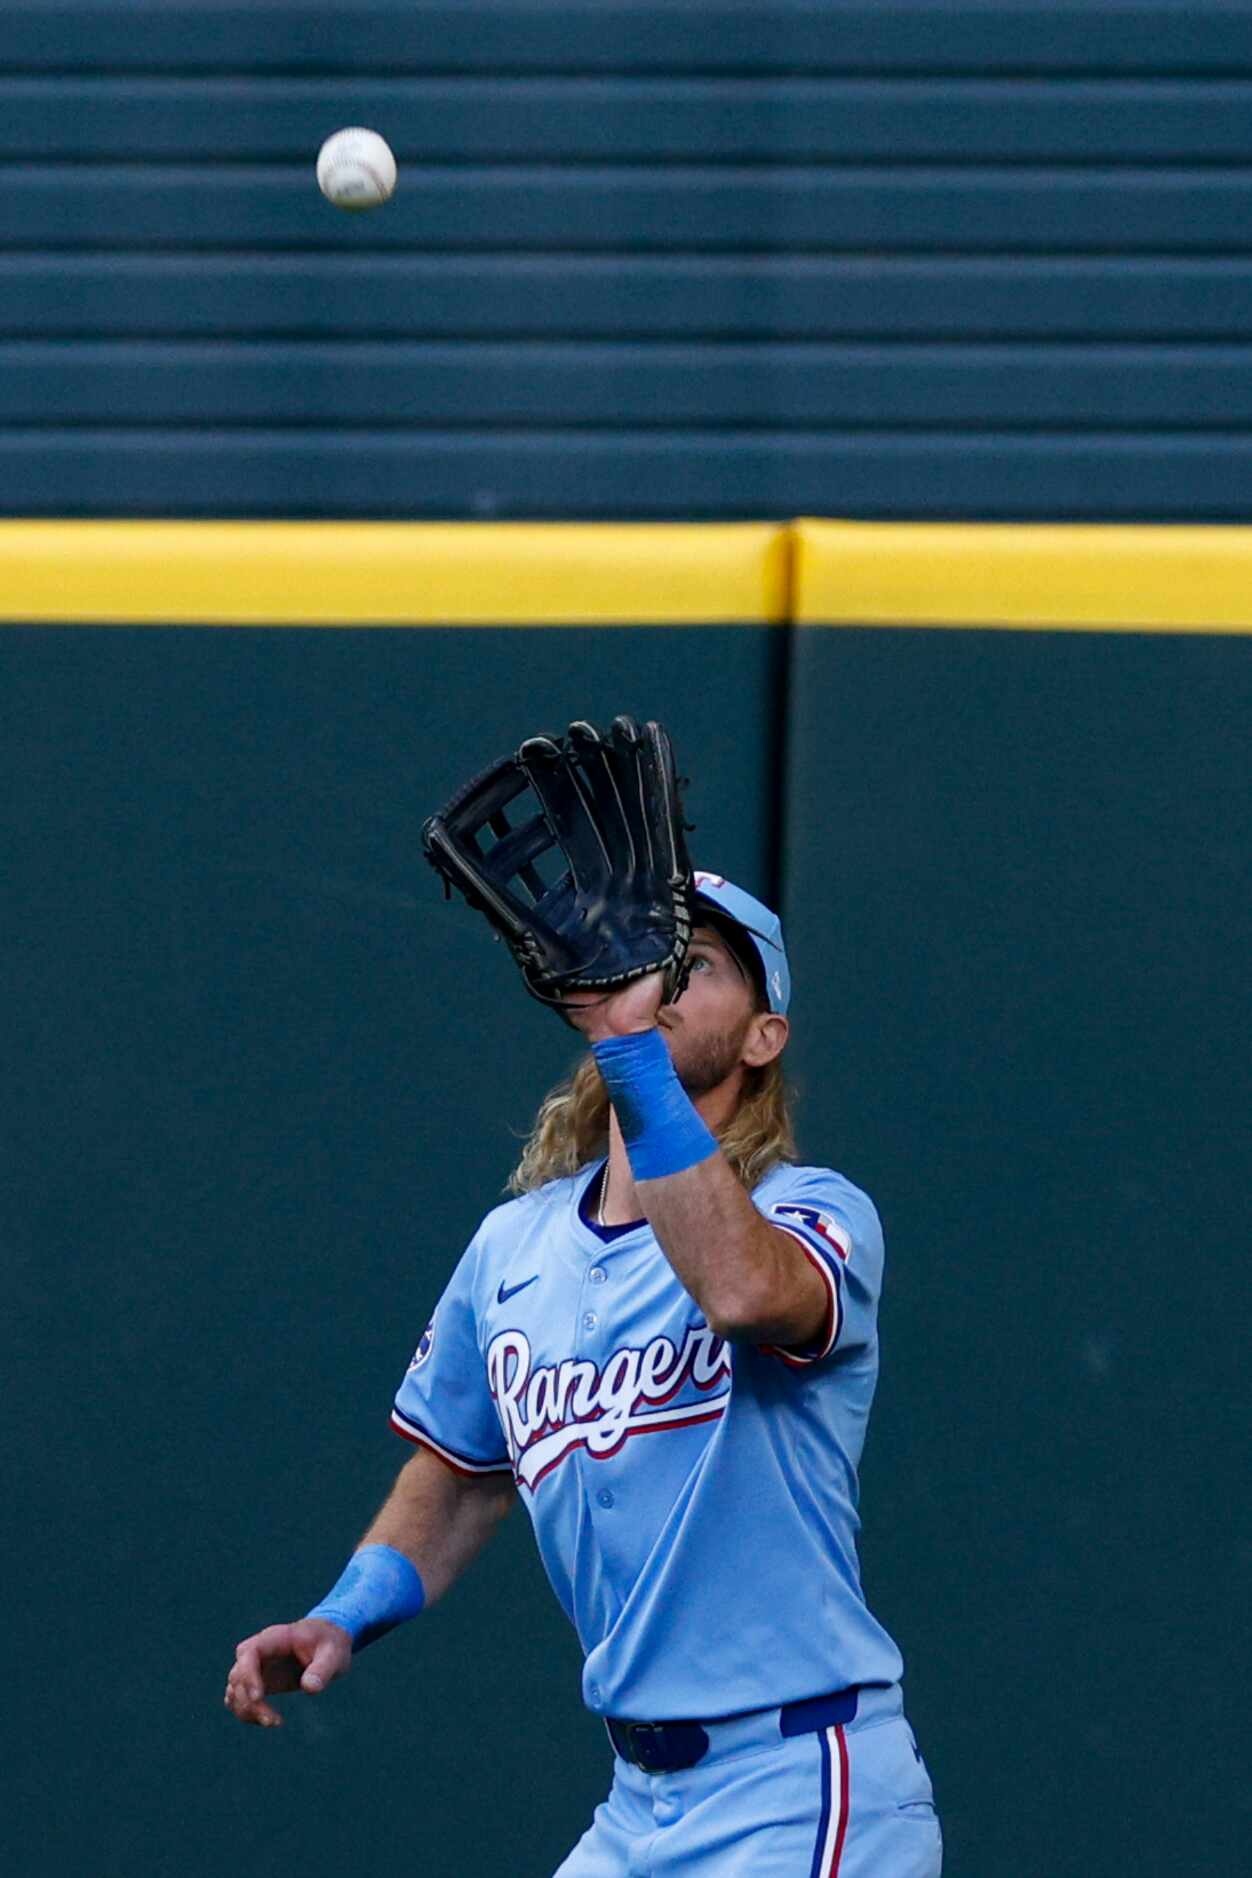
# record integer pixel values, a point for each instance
(324, 1665)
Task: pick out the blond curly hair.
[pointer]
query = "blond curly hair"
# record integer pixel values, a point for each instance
(571, 1129)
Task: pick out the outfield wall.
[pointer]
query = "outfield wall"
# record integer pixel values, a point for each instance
(264, 1082)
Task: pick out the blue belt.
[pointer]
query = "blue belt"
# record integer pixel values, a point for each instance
(668, 1747)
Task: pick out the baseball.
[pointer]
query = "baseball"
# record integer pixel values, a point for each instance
(355, 169)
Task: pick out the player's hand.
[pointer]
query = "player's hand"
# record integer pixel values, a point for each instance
(306, 1655)
(619, 1013)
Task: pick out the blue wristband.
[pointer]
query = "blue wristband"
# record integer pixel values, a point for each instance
(377, 1589)
(662, 1131)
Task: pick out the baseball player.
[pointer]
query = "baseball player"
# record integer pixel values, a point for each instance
(666, 1346)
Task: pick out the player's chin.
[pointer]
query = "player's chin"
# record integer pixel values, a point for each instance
(703, 1069)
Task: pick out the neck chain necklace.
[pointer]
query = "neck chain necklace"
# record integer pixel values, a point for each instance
(604, 1194)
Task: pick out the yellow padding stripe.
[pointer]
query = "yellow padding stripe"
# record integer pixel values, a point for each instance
(393, 573)
(1054, 576)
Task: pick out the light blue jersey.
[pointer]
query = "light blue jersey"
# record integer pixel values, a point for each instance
(694, 1500)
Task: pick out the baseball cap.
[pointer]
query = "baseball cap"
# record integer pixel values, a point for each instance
(762, 927)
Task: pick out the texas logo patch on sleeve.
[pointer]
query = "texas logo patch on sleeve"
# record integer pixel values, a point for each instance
(424, 1348)
(824, 1225)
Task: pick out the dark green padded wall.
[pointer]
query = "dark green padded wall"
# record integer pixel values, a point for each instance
(682, 260)
(261, 1086)
(1018, 907)
(262, 1083)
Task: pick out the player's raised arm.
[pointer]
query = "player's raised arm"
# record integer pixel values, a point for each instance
(430, 1527)
(675, 1076)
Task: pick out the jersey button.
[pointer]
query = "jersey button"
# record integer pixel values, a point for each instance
(597, 1274)
(604, 1497)
(590, 1320)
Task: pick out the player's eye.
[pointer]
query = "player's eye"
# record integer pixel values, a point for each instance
(701, 958)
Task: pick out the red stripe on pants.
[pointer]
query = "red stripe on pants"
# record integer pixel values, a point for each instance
(842, 1832)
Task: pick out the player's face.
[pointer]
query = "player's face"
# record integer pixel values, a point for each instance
(715, 1027)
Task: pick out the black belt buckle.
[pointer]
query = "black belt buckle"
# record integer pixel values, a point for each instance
(659, 1747)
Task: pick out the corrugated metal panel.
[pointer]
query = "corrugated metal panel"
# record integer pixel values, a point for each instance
(759, 297)
(1022, 36)
(636, 475)
(546, 208)
(638, 120)
(643, 384)
(688, 260)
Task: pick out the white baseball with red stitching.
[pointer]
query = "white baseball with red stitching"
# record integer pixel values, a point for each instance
(356, 169)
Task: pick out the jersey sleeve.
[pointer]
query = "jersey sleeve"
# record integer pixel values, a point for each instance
(838, 1229)
(444, 1402)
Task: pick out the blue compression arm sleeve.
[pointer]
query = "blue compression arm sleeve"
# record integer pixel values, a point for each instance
(378, 1589)
(662, 1131)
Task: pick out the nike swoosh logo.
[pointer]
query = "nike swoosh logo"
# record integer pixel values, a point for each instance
(510, 1291)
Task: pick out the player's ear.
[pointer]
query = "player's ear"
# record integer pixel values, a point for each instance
(766, 1039)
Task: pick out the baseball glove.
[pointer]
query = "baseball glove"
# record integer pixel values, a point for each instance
(574, 851)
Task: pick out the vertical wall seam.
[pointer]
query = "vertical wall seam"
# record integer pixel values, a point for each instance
(778, 754)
